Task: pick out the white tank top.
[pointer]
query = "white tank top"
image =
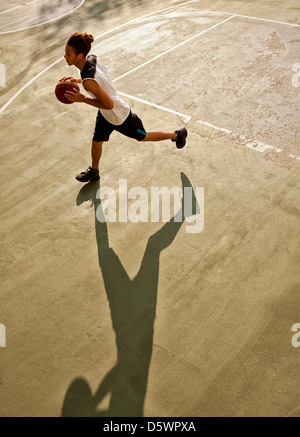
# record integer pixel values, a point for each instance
(95, 69)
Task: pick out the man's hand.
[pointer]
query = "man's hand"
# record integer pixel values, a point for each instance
(70, 79)
(75, 96)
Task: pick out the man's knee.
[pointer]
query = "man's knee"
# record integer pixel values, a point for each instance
(97, 144)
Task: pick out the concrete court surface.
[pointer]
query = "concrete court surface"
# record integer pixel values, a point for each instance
(145, 319)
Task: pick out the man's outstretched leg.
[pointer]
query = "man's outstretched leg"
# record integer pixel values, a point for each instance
(92, 173)
(179, 136)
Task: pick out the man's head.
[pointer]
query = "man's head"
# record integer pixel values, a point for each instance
(77, 47)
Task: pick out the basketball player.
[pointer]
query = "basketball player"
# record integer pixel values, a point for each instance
(113, 112)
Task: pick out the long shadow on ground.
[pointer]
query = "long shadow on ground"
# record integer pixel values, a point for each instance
(133, 308)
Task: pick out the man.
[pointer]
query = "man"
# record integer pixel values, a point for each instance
(113, 112)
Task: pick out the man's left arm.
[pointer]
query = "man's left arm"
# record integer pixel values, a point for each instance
(102, 100)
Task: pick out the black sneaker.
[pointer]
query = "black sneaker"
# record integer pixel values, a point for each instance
(181, 137)
(89, 175)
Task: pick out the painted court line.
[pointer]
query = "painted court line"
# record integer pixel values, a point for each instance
(104, 34)
(258, 146)
(134, 20)
(42, 23)
(17, 7)
(174, 48)
(186, 118)
(27, 85)
(255, 18)
(255, 145)
(97, 37)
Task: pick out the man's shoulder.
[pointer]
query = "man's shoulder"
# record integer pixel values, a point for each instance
(89, 70)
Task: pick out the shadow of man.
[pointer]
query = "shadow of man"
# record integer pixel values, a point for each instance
(133, 308)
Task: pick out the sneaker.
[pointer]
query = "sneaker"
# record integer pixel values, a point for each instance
(181, 137)
(89, 175)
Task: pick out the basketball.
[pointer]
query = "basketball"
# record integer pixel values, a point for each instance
(61, 89)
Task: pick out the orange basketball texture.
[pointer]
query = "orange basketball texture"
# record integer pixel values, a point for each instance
(61, 89)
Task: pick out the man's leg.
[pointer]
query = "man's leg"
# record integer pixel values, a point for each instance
(96, 153)
(92, 173)
(179, 136)
(159, 136)
(133, 127)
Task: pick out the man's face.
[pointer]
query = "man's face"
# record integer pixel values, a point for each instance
(70, 55)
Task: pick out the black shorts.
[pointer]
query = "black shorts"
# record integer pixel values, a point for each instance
(132, 127)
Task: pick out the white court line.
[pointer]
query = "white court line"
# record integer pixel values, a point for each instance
(27, 85)
(17, 7)
(141, 18)
(97, 37)
(174, 47)
(186, 118)
(44, 22)
(254, 18)
(102, 34)
(258, 146)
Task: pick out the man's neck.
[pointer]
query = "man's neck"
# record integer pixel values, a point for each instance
(81, 64)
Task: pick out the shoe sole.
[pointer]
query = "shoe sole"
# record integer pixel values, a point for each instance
(87, 180)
